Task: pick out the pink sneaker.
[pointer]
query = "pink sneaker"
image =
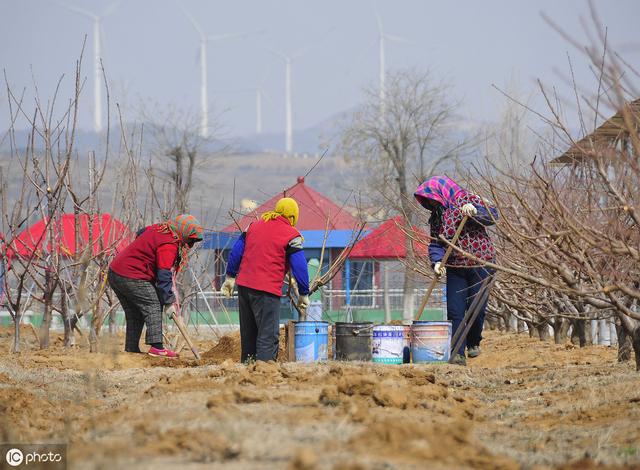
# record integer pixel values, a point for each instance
(162, 353)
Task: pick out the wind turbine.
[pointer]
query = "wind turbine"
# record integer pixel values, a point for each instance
(288, 106)
(382, 37)
(204, 39)
(97, 56)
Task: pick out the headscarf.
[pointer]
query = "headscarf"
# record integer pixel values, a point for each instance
(286, 207)
(183, 227)
(440, 189)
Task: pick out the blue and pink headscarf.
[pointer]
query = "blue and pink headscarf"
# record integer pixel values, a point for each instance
(440, 189)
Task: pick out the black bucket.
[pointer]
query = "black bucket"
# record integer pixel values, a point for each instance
(353, 341)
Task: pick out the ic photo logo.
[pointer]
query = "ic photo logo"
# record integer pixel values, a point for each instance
(45, 456)
(14, 457)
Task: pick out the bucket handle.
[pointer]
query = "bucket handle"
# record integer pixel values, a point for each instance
(357, 332)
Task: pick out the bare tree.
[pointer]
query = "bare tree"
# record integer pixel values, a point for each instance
(401, 146)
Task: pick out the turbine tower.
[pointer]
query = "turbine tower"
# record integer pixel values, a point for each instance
(288, 106)
(97, 56)
(204, 40)
(382, 37)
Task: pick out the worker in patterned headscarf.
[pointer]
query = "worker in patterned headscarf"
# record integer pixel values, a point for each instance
(258, 263)
(449, 204)
(142, 278)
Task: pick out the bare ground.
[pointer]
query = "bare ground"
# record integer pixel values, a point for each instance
(522, 404)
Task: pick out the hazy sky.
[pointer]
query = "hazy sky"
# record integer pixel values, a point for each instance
(151, 51)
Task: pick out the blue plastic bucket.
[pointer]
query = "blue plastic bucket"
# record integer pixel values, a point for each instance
(430, 341)
(388, 344)
(311, 340)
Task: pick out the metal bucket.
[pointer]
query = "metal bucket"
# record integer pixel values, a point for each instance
(353, 341)
(311, 339)
(430, 341)
(388, 344)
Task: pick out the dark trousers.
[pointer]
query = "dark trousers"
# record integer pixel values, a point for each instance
(463, 285)
(141, 305)
(259, 324)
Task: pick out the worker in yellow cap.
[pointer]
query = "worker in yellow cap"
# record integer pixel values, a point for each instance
(257, 264)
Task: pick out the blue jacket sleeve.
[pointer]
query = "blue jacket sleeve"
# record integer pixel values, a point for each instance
(164, 284)
(298, 264)
(235, 257)
(436, 250)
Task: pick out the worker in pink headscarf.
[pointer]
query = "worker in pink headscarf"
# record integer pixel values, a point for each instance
(449, 203)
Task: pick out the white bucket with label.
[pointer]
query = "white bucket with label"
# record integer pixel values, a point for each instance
(388, 344)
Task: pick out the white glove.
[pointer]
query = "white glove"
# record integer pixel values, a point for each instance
(170, 310)
(303, 303)
(227, 286)
(469, 210)
(439, 269)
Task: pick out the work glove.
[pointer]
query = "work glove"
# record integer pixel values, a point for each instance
(227, 286)
(169, 310)
(469, 210)
(303, 303)
(439, 269)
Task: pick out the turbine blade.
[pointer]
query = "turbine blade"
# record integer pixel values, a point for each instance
(242, 35)
(398, 39)
(305, 50)
(378, 19)
(277, 53)
(78, 10)
(194, 23)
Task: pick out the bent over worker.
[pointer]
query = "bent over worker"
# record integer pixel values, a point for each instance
(141, 277)
(258, 263)
(449, 203)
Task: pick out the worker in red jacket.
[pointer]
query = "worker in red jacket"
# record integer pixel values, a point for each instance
(258, 263)
(141, 277)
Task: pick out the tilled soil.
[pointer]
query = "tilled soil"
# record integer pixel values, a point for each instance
(522, 404)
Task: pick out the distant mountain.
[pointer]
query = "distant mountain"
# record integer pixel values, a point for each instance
(306, 141)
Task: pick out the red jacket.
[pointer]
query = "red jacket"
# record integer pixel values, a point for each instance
(264, 262)
(149, 252)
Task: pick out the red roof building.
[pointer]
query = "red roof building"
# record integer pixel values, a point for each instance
(315, 211)
(387, 242)
(108, 234)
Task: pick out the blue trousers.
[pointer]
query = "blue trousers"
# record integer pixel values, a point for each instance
(463, 284)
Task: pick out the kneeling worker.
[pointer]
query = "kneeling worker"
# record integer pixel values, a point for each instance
(258, 263)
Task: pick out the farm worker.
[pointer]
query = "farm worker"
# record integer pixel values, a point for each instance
(448, 204)
(141, 277)
(258, 263)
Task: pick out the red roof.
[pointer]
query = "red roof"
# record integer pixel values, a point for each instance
(107, 233)
(315, 210)
(387, 241)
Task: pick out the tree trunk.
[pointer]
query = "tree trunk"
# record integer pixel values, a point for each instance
(578, 334)
(45, 326)
(635, 340)
(543, 331)
(69, 337)
(385, 294)
(16, 335)
(559, 334)
(624, 344)
(112, 322)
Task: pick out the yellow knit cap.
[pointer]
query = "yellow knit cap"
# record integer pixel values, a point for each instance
(286, 207)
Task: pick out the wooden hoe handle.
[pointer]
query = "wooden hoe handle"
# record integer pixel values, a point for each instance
(443, 261)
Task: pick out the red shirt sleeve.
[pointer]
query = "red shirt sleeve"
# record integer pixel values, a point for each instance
(166, 256)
